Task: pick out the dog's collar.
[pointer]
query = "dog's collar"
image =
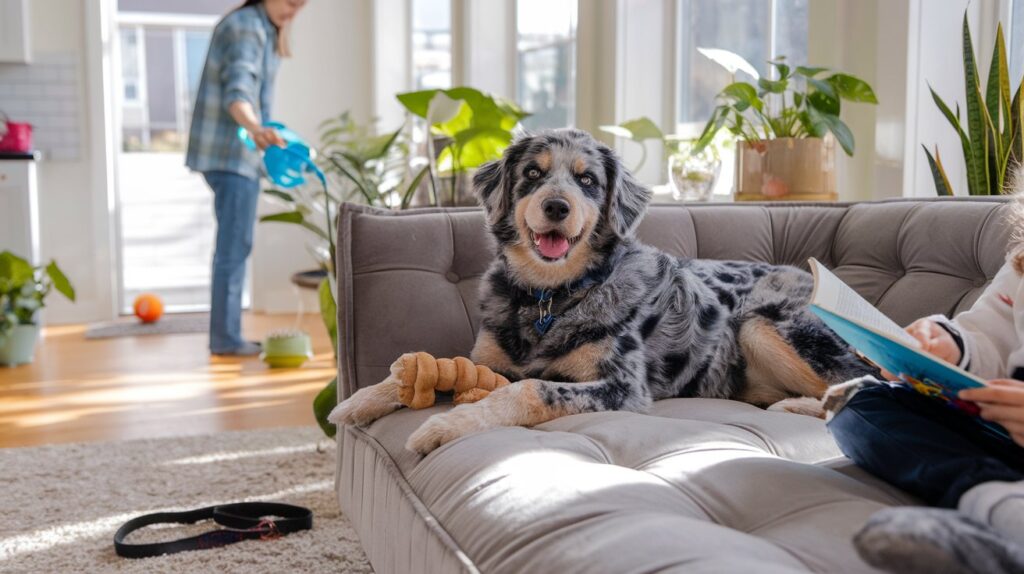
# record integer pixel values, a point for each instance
(545, 297)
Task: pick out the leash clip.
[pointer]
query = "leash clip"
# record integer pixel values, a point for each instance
(271, 529)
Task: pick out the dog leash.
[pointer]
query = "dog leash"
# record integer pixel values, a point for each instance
(241, 521)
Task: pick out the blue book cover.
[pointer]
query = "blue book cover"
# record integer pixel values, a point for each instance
(887, 345)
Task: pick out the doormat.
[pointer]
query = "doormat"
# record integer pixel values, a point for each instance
(167, 325)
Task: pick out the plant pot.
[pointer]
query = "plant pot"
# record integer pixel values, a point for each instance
(19, 346)
(287, 350)
(786, 169)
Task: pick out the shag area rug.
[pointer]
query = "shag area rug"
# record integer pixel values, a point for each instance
(60, 505)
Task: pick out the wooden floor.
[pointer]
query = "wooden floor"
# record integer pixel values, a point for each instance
(84, 390)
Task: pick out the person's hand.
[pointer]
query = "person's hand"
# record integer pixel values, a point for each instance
(265, 137)
(931, 337)
(1002, 401)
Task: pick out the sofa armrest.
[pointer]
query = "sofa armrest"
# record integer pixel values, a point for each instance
(407, 281)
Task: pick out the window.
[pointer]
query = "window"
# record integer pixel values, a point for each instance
(431, 44)
(546, 45)
(758, 30)
(131, 66)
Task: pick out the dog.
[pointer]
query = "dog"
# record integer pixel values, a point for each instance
(585, 318)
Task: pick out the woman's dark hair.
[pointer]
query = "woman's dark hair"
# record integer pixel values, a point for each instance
(283, 48)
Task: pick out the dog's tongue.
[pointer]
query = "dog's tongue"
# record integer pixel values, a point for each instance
(552, 245)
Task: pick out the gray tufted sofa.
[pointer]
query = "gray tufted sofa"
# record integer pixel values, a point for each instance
(695, 485)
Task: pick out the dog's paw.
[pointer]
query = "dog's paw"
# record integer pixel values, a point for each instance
(443, 428)
(837, 396)
(808, 406)
(367, 405)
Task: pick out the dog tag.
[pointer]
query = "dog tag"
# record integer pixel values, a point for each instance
(542, 325)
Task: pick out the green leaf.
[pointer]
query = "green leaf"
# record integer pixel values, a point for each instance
(773, 86)
(835, 125)
(782, 67)
(407, 196)
(824, 97)
(810, 72)
(942, 187)
(282, 195)
(743, 93)
(14, 272)
(852, 88)
(638, 130)
(718, 119)
(60, 281)
(976, 128)
(473, 147)
(418, 103)
(285, 217)
(823, 103)
(1016, 137)
(329, 312)
(323, 404)
(965, 143)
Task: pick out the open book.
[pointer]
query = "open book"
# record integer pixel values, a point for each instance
(886, 344)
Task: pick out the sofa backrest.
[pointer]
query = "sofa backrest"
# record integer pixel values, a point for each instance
(408, 281)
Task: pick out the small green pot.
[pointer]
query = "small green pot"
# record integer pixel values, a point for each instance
(19, 346)
(287, 351)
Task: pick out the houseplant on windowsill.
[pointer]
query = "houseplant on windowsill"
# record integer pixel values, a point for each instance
(783, 127)
(23, 292)
(992, 142)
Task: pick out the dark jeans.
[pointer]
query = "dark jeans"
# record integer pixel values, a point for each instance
(234, 202)
(922, 445)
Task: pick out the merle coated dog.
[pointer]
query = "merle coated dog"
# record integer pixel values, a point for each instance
(585, 318)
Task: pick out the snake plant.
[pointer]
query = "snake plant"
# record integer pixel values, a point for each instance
(991, 140)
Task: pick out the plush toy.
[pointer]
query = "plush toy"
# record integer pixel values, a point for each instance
(420, 375)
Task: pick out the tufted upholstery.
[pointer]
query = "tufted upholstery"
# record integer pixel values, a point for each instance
(696, 484)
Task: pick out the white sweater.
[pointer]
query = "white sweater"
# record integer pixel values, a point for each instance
(993, 329)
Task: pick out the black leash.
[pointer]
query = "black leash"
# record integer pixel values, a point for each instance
(241, 521)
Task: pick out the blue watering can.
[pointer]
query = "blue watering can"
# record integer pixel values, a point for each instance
(285, 165)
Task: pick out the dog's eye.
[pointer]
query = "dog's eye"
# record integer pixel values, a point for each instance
(586, 180)
(533, 173)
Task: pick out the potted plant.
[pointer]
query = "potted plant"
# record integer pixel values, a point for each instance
(992, 142)
(23, 292)
(782, 124)
(471, 127)
(692, 172)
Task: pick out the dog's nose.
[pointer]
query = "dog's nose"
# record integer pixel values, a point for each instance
(556, 209)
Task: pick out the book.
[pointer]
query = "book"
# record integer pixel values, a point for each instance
(880, 340)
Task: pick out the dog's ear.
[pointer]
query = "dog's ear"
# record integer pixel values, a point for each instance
(489, 185)
(626, 199)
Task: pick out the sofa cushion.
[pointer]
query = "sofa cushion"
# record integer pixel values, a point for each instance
(709, 485)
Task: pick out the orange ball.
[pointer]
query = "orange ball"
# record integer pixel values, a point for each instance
(148, 308)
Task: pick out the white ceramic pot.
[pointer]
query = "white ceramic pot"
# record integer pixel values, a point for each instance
(19, 347)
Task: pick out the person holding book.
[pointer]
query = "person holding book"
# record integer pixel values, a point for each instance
(973, 475)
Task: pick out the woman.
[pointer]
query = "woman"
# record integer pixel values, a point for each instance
(235, 90)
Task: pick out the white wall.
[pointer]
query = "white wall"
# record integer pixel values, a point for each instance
(73, 214)
(843, 36)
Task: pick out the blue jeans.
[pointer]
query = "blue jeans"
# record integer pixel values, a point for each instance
(921, 445)
(235, 199)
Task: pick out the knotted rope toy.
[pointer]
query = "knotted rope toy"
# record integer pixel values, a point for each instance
(420, 375)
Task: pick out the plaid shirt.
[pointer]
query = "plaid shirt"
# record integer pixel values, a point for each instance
(240, 65)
